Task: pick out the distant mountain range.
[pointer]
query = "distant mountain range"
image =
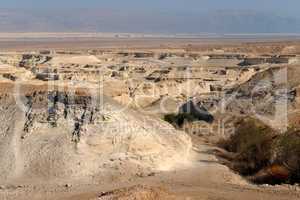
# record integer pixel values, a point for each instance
(82, 20)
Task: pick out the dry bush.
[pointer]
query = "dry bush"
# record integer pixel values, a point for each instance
(264, 154)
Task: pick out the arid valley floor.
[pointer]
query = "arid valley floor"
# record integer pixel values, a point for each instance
(84, 118)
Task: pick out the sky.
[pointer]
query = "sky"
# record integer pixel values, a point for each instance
(167, 15)
(282, 6)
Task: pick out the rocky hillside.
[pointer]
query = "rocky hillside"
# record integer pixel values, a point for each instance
(55, 134)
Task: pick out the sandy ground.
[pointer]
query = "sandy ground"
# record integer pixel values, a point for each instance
(204, 179)
(79, 41)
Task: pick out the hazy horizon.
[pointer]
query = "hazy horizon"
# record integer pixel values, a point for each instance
(168, 16)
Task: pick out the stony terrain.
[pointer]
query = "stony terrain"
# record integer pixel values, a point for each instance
(88, 123)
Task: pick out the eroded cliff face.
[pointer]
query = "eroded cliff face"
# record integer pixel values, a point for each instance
(55, 134)
(58, 133)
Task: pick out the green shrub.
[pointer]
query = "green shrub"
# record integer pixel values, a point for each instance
(178, 119)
